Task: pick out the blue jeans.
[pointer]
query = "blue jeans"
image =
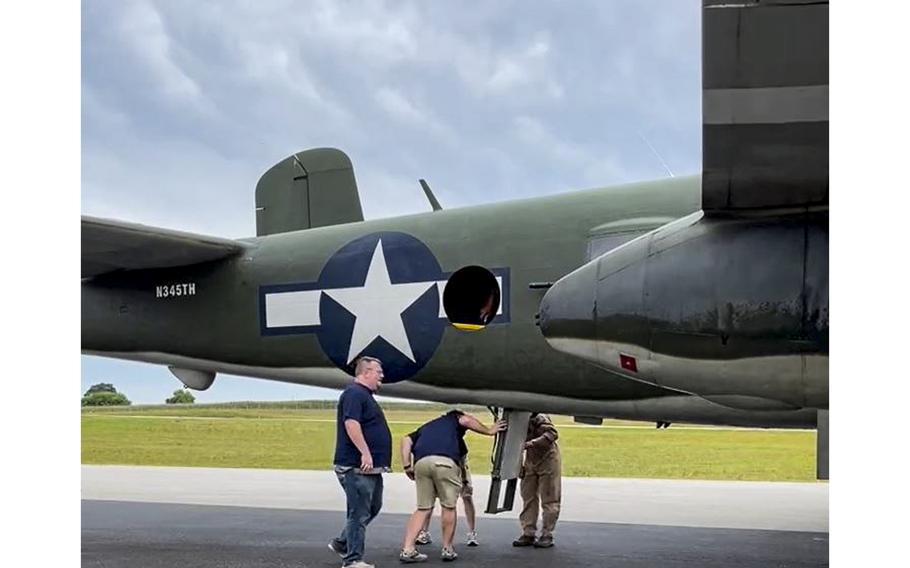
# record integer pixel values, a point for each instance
(364, 497)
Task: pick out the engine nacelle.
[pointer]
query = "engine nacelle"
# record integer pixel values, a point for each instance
(734, 310)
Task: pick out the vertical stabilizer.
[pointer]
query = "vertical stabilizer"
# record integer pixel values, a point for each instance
(313, 188)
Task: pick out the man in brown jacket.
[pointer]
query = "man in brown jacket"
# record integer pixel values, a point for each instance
(541, 483)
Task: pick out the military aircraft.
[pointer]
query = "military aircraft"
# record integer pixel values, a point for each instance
(701, 299)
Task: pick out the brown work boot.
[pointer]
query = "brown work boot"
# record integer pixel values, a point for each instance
(525, 540)
(545, 541)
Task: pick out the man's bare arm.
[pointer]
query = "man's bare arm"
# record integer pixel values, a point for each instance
(355, 433)
(406, 445)
(475, 425)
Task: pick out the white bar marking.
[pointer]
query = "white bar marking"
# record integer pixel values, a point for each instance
(290, 309)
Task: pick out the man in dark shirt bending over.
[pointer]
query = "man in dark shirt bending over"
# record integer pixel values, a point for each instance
(363, 451)
(431, 455)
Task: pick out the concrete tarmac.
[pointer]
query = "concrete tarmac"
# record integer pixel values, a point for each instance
(156, 516)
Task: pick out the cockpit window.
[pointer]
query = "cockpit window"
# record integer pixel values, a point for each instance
(602, 244)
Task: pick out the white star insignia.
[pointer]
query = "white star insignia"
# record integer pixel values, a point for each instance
(377, 307)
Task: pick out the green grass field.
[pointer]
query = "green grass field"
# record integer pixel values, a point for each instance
(282, 436)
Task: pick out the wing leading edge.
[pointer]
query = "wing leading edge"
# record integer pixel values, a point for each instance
(109, 245)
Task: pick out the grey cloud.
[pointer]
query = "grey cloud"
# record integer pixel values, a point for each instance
(408, 89)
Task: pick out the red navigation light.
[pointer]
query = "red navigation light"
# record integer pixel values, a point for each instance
(628, 363)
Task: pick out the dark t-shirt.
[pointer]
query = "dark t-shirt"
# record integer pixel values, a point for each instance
(357, 403)
(443, 436)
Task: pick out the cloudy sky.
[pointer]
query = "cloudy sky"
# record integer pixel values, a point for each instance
(186, 104)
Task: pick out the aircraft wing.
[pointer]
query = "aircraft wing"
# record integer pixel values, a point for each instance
(764, 105)
(109, 245)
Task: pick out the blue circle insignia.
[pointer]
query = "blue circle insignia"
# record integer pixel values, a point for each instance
(380, 298)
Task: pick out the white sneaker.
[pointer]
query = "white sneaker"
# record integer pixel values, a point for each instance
(471, 539)
(358, 564)
(448, 554)
(423, 537)
(410, 557)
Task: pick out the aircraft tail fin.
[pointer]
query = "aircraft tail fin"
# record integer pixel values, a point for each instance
(312, 188)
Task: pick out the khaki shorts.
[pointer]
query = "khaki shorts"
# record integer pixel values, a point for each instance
(437, 477)
(467, 488)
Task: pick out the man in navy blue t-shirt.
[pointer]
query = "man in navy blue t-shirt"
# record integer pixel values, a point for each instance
(363, 452)
(431, 456)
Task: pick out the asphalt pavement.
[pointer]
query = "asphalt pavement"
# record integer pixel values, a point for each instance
(132, 535)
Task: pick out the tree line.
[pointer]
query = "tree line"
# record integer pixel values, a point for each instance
(105, 394)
